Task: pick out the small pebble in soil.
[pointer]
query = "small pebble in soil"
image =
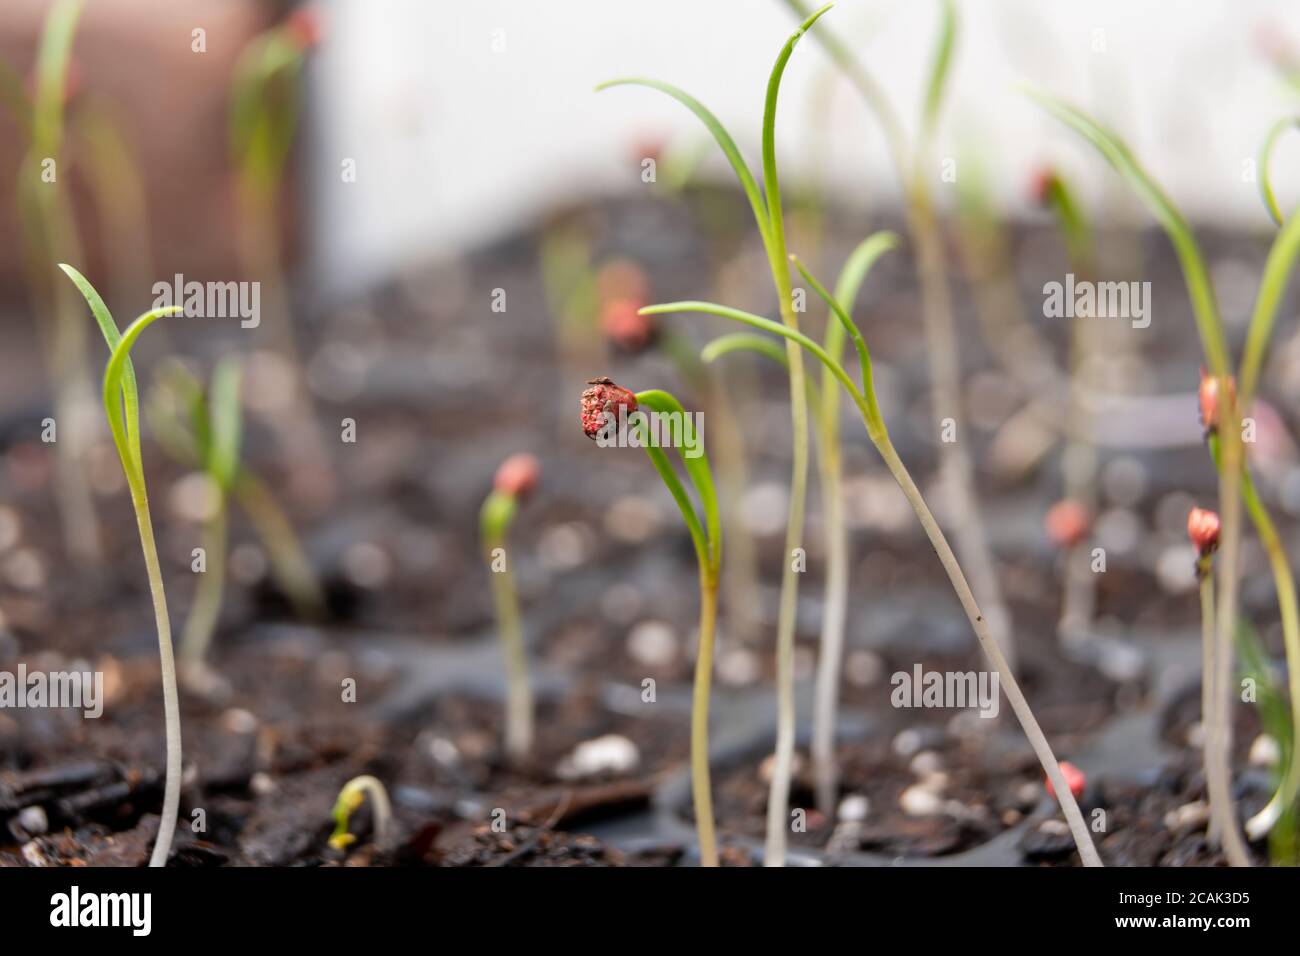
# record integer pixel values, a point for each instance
(1027, 795)
(25, 570)
(1119, 530)
(611, 754)
(236, 720)
(10, 528)
(863, 668)
(367, 565)
(763, 508)
(1176, 568)
(565, 546)
(633, 520)
(248, 564)
(925, 763)
(853, 808)
(1190, 816)
(621, 602)
(918, 801)
(652, 643)
(32, 822)
(262, 784)
(194, 498)
(1049, 841)
(442, 751)
(1264, 751)
(738, 667)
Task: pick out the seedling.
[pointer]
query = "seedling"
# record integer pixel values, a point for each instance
(1221, 414)
(825, 405)
(350, 798)
(515, 480)
(771, 226)
(602, 403)
(912, 166)
(202, 431)
(122, 407)
(48, 230)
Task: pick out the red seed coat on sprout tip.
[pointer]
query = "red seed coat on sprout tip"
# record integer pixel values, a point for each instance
(1209, 398)
(602, 396)
(1203, 529)
(305, 27)
(1040, 186)
(1067, 523)
(625, 326)
(1074, 779)
(517, 475)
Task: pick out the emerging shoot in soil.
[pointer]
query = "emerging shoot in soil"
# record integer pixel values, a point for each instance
(602, 403)
(350, 799)
(1222, 402)
(771, 226)
(515, 480)
(122, 406)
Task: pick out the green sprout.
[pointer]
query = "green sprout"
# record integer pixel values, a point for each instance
(515, 480)
(825, 405)
(202, 430)
(122, 407)
(601, 401)
(766, 206)
(1236, 487)
(48, 230)
(350, 798)
(910, 164)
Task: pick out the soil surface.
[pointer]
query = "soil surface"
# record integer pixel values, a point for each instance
(442, 390)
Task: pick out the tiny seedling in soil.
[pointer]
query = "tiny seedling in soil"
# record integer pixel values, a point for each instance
(201, 430)
(515, 480)
(601, 404)
(768, 215)
(1222, 399)
(350, 798)
(122, 407)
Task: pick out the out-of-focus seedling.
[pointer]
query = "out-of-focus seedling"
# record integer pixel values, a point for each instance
(122, 407)
(603, 403)
(825, 404)
(350, 798)
(864, 399)
(1221, 411)
(189, 424)
(770, 219)
(515, 480)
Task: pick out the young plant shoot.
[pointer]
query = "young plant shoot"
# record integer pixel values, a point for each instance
(766, 206)
(122, 407)
(912, 165)
(185, 421)
(221, 465)
(1222, 400)
(350, 798)
(825, 404)
(516, 478)
(603, 403)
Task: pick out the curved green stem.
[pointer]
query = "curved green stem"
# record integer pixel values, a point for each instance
(1069, 806)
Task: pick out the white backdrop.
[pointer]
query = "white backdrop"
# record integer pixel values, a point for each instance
(467, 119)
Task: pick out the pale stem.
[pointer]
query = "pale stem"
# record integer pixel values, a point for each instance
(1078, 828)
(1219, 781)
(202, 621)
(834, 614)
(171, 702)
(701, 790)
(519, 695)
(956, 468)
(1208, 670)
